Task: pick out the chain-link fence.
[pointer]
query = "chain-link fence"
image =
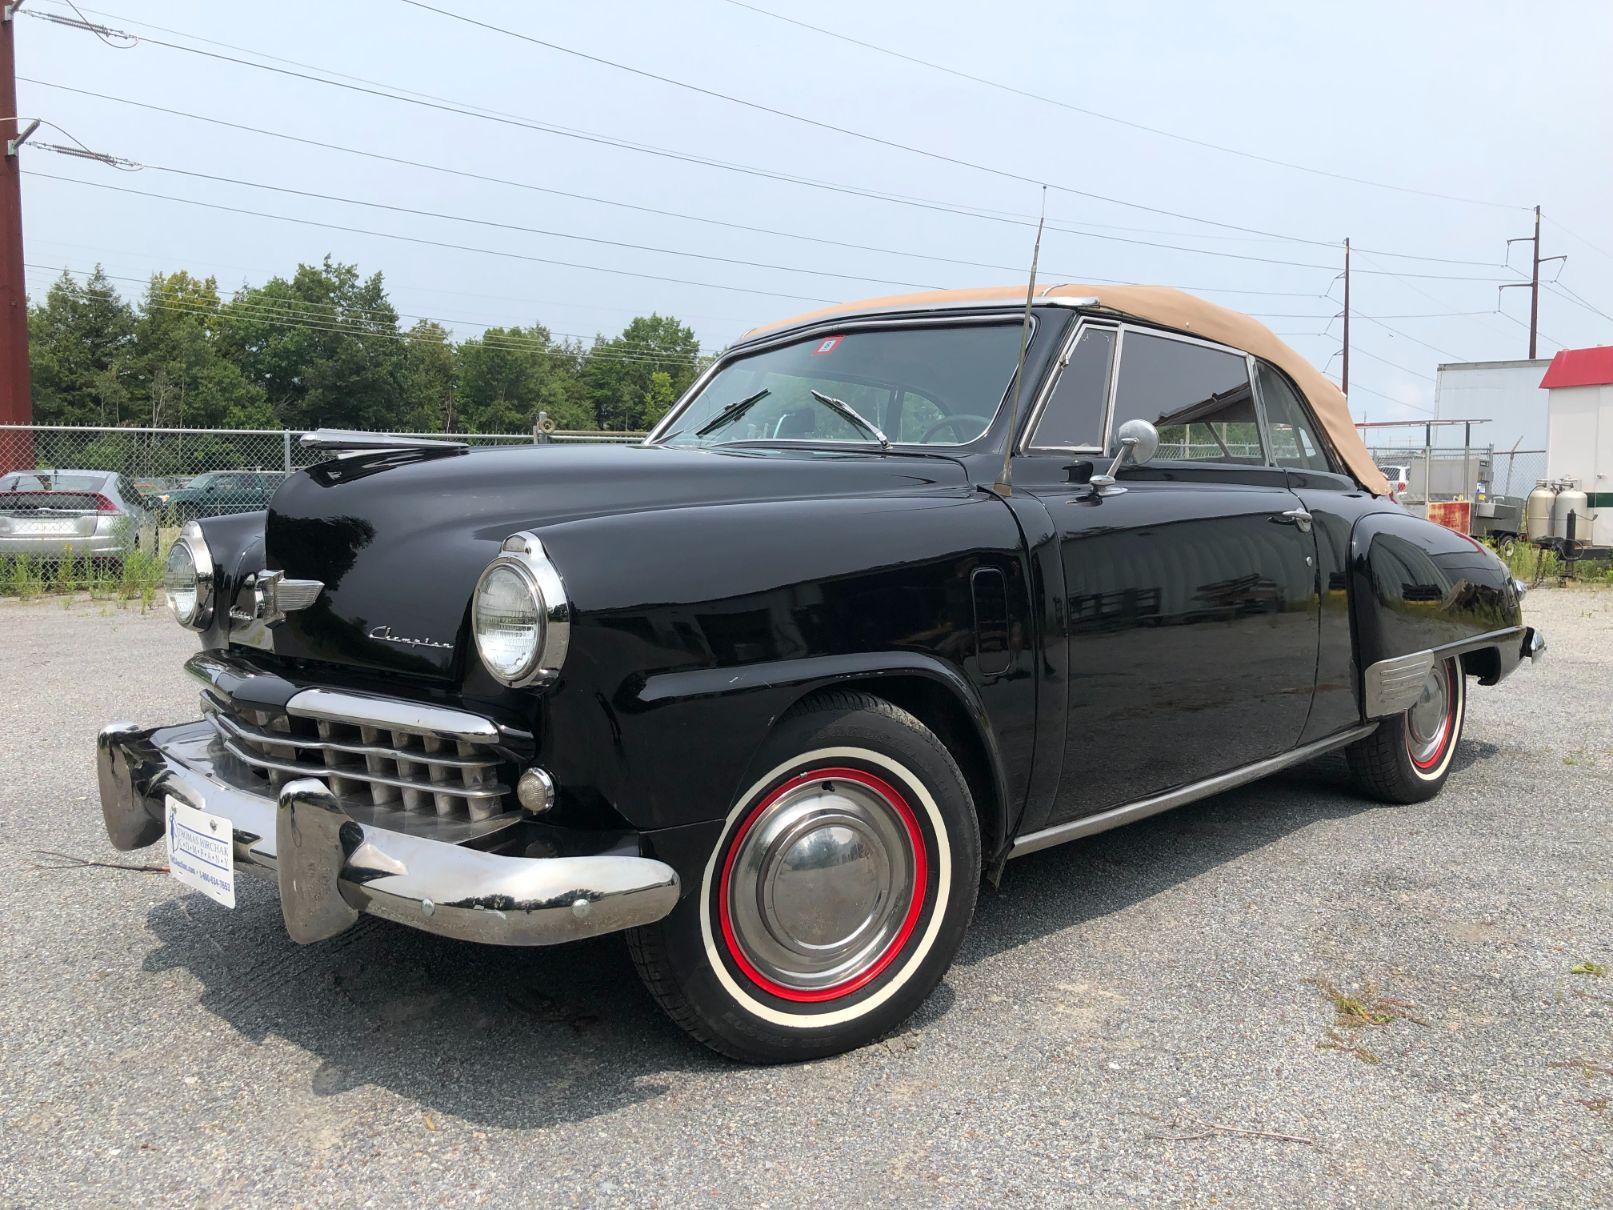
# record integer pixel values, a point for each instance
(84, 507)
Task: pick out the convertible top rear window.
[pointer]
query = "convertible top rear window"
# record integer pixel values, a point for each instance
(932, 385)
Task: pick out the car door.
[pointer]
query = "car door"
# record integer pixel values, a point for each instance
(1189, 596)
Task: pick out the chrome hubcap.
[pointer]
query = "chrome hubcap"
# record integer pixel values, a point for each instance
(821, 884)
(1428, 720)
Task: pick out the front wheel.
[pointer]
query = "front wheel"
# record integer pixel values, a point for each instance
(835, 897)
(1408, 757)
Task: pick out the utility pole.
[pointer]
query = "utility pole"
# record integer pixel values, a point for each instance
(15, 402)
(1344, 375)
(1536, 260)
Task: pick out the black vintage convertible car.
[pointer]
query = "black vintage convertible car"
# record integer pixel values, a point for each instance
(896, 592)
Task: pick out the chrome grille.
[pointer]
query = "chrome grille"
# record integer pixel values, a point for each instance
(364, 761)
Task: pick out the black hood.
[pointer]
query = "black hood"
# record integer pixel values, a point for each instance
(398, 539)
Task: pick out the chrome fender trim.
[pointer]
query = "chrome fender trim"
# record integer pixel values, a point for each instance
(1391, 686)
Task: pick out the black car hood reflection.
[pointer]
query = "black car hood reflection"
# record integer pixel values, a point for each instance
(399, 542)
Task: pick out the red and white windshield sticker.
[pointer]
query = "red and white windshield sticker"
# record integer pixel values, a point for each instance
(827, 346)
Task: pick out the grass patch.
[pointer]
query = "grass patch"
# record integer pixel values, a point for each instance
(1366, 1007)
(1595, 969)
(137, 576)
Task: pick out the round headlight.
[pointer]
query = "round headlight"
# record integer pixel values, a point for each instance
(187, 578)
(508, 622)
(179, 582)
(520, 617)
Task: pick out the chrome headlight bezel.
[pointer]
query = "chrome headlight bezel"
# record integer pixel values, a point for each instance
(524, 555)
(201, 559)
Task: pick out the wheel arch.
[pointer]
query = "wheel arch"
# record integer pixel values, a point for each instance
(949, 708)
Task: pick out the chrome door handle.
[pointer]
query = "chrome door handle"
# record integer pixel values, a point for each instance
(1297, 517)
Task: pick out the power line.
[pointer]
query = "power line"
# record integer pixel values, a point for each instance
(1356, 386)
(1570, 232)
(1396, 365)
(414, 239)
(389, 92)
(593, 199)
(1107, 117)
(503, 226)
(1564, 292)
(847, 131)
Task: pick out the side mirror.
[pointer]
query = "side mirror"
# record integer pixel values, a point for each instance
(1139, 441)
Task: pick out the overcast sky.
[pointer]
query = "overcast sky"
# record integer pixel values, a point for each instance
(1503, 103)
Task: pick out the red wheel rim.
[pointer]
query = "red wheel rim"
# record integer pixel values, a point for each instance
(904, 823)
(1426, 747)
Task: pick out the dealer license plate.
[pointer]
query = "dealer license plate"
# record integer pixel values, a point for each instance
(201, 851)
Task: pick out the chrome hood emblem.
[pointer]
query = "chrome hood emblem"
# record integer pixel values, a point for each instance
(273, 597)
(384, 633)
(264, 601)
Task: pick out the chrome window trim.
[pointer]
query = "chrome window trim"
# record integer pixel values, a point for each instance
(1180, 338)
(1324, 442)
(1025, 444)
(936, 318)
(524, 554)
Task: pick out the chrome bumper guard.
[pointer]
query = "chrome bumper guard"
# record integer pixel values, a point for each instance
(331, 868)
(1534, 645)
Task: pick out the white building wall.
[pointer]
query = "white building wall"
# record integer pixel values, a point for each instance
(1506, 393)
(1580, 446)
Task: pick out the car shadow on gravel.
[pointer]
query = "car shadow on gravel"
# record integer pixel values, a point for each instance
(1067, 885)
(528, 1038)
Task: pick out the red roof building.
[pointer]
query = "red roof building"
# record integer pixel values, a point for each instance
(1580, 368)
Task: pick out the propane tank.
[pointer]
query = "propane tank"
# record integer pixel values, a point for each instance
(1537, 512)
(1571, 500)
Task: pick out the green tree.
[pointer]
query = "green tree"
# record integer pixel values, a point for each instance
(324, 347)
(508, 375)
(179, 373)
(430, 378)
(621, 372)
(78, 343)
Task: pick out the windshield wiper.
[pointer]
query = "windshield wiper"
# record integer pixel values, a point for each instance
(841, 408)
(729, 414)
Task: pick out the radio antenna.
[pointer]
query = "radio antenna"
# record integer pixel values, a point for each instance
(1004, 485)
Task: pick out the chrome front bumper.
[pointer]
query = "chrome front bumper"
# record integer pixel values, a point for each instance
(330, 868)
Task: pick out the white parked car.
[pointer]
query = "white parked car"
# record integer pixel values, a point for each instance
(51, 515)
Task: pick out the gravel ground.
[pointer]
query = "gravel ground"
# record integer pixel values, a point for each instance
(1122, 1007)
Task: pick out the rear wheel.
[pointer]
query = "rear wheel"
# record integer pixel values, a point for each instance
(835, 897)
(1408, 757)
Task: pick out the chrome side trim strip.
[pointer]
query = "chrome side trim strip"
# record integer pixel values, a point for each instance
(418, 718)
(1130, 812)
(1391, 686)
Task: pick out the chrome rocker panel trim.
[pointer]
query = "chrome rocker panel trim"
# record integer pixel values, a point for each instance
(1141, 809)
(331, 868)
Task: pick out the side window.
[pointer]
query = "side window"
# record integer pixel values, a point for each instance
(1198, 398)
(1073, 418)
(1294, 440)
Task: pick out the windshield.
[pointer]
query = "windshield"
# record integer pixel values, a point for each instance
(918, 386)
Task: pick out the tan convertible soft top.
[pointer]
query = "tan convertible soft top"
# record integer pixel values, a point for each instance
(1169, 309)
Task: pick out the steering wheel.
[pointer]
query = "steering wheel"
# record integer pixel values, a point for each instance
(955, 422)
